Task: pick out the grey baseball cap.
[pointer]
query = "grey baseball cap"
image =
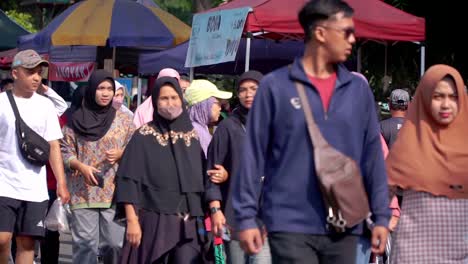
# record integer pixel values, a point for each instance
(28, 59)
(399, 97)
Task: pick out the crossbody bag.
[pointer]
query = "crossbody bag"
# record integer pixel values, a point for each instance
(340, 178)
(34, 148)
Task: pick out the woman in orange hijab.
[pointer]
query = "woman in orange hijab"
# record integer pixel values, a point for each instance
(429, 161)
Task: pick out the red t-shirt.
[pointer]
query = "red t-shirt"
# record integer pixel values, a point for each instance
(51, 181)
(325, 88)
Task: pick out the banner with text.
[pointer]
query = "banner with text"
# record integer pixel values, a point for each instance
(70, 71)
(215, 37)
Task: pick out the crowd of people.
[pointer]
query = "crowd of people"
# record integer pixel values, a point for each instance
(174, 181)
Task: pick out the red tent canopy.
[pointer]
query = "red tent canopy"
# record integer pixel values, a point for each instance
(6, 57)
(374, 19)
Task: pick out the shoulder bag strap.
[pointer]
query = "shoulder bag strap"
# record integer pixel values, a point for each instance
(318, 142)
(13, 104)
(19, 121)
(314, 132)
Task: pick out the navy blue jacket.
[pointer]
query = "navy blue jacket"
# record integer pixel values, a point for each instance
(278, 147)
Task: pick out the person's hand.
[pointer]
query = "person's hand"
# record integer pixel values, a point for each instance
(393, 223)
(133, 233)
(251, 240)
(218, 175)
(114, 155)
(217, 223)
(63, 194)
(42, 89)
(379, 239)
(88, 174)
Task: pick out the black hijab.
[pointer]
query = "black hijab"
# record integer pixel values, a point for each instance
(241, 112)
(76, 101)
(162, 167)
(92, 121)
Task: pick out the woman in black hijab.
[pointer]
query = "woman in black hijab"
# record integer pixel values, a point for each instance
(93, 142)
(223, 162)
(94, 118)
(160, 184)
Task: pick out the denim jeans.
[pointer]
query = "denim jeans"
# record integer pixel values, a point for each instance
(235, 254)
(363, 252)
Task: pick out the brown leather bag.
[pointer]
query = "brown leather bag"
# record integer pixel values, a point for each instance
(340, 178)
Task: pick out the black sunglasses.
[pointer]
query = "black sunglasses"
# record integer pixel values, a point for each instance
(347, 31)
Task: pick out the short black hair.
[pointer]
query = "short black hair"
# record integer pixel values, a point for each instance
(315, 11)
(5, 82)
(397, 107)
(185, 77)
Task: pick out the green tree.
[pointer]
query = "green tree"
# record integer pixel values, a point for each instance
(184, 9)
(23, 19)
(7, 5)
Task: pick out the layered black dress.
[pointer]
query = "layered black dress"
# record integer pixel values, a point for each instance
(161, 175)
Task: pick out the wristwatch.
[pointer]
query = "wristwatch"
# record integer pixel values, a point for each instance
(213, 210)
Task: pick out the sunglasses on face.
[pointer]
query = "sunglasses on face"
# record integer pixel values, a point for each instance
(348, 31)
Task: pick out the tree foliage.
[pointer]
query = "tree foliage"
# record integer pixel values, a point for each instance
(7, 5)
(23, 19)
(184, 9)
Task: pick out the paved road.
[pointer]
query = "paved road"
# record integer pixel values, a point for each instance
(65, 249)
(65, 254)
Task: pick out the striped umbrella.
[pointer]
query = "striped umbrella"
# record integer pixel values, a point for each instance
(114, 23)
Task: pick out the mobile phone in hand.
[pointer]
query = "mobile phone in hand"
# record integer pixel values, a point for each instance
(226, 234)
(100, 179)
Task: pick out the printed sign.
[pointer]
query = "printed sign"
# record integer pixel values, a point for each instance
(70, 71)
(215, 36)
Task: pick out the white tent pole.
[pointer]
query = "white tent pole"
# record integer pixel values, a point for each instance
(247, 52)
(139, 84)
(192, 73)
(423, 59)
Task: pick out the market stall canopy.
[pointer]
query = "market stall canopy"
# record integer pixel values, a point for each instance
(113, 23)
(374, 19)
(59, 53)
(9, 32)
(6, 57)
(266, 55)
(47, 2)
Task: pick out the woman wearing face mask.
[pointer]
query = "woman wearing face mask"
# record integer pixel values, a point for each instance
(93, 142)
(204, 107)
(119, 97)
(429, 160)
(160, 184)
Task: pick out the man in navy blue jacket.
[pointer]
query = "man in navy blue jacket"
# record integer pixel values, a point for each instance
(278, 147)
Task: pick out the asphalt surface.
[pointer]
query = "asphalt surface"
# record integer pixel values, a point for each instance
(65, 254)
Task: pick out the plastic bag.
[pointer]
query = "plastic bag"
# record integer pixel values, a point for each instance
(57, 217)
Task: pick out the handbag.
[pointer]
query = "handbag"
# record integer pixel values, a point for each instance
(34, 148)
(339, 176)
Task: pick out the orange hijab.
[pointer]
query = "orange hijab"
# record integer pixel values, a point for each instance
(427, 156)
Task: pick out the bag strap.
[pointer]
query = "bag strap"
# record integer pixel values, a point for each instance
(318, 142)
(314, 132)
(13, 104)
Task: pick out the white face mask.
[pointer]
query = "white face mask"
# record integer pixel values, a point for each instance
(117, 102)
(170, 112)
